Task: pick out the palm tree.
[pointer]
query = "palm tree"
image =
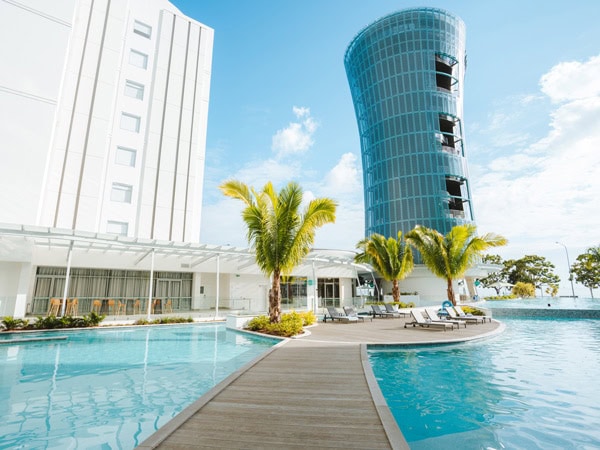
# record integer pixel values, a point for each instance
(450, 256)
(279, 233)
(391, 258)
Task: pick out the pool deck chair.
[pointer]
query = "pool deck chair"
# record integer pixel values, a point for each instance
(432, 315)
(393, 309)
(418, 319)
(334, 315)
(461, 313)
(378, 312)
(351, 312)
(469, 319)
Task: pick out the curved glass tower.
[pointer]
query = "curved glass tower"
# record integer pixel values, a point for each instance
(406, 73)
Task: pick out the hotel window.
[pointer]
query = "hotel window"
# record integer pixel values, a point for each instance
(142, 29)
(121, 193)
(129, 122)
(138, 59)
(134, 90)
(125, 156)
(114, 227)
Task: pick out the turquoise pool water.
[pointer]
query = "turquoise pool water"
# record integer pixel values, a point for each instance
(533, 387)
(542, 303)
(111, 389)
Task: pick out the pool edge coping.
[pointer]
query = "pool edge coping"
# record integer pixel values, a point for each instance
(160, 435)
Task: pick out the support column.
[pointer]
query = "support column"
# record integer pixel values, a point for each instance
(217, 290)
(150, 290)
(66, 291)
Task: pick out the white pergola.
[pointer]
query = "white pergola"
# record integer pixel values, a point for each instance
(24, 243)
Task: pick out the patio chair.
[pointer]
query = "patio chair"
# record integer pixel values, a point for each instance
(351, 312)
(55, 304)
(137, 305)
(393, 309)
(121, 307)
(334, 315)
(461, 313)
(96, 306)
(418, 319)
(432, 315)
(169, 306)
(469, 319)
(378, 312)
(72, 307)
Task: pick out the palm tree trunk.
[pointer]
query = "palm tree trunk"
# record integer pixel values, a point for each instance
(395, 291)
(450, 291)
(275, 298)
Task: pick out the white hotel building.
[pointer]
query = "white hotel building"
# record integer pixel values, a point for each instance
(104, 109)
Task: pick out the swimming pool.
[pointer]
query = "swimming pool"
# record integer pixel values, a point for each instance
(106, 389)
(542, 303)
(533, 387)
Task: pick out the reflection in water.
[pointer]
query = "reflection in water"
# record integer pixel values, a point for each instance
(112, 388)
(531, 387)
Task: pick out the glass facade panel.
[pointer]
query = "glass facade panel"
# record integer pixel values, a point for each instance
(406, 73)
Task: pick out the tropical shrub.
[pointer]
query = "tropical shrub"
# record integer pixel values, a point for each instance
(473, 311)
(524, 290)
(164, 320)
(10, 323)
(53, 322)
(291, 324)
(308, 318)
(501, 297)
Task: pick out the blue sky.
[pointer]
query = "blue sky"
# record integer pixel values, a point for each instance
(281, 110)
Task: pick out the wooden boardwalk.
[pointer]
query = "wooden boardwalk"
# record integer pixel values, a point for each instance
(314, 392)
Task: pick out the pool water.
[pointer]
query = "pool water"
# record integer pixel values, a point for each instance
(542, 303)
(533, 387)
(111, 389)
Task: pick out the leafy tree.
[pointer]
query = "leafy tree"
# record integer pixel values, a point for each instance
(493, 279)
(450, 256)
(552, 290)
(586, 269)
(532, 269)
(278, 231)
(522, 289)
(391, 258)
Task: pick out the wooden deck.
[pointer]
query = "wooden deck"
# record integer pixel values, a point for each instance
(317, 391)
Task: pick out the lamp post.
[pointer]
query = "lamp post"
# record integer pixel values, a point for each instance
(569, 265)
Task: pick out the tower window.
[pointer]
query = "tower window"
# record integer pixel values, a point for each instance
(121, 193)
(449, 135)
(138, 59)
(142, 29)
(134, 90)
(444, 72)
(129, 122)
(114, 227)
(125, 156)
(456, 197)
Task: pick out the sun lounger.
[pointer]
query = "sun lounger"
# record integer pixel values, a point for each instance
(351, 312)
(461, 313)
(432, 315)
(378, 312)
(394, 310)
(334, 315)
(469, 319)
(418, 319)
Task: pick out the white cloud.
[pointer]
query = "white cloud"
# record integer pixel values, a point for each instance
(297, 137)
(572, 80)
(344, 177)
(549, 191)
